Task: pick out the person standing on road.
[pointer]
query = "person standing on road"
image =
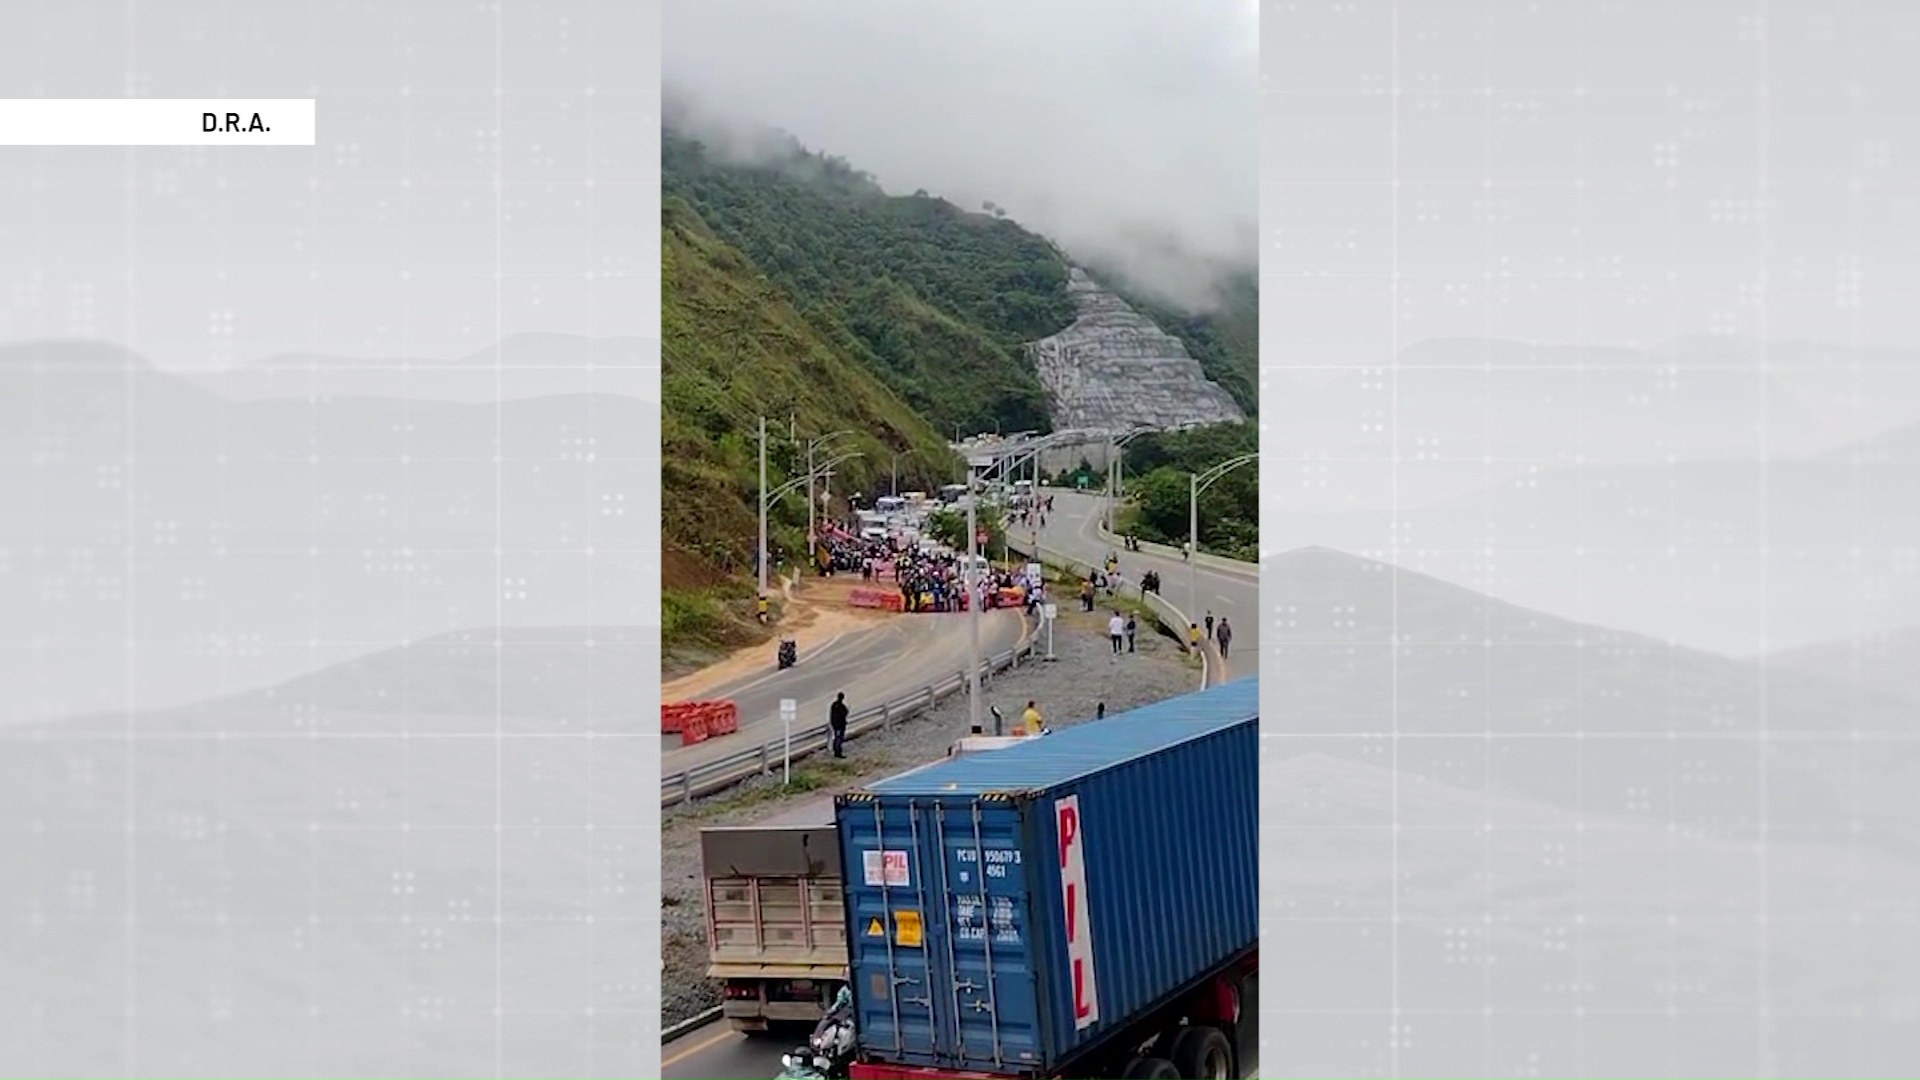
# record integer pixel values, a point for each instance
(837, 721)
(1133, 628)
(1223, 636)
(1117, 631)
(1209, 626)
(1193, 636)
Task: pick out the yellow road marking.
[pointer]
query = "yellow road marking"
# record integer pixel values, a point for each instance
(708, 1043)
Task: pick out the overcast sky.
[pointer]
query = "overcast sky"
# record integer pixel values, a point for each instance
(1101, 123)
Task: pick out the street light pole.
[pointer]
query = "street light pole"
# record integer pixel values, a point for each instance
(973, 609)
(1113, 485)
(1193, 546)
(1197, 483)
(763, 506)
(813, 445)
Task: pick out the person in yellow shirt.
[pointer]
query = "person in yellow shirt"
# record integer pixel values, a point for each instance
(1193, 636)
(1031, 722)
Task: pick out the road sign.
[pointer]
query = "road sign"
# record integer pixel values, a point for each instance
(1049, 611)
(789, 709)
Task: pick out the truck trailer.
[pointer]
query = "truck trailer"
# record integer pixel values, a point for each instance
(1080, 905)
(776, 923)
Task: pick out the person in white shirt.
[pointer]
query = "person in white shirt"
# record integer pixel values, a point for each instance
(1117, 630)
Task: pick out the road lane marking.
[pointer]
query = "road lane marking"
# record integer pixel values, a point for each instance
(708, 1043)
(736, 691)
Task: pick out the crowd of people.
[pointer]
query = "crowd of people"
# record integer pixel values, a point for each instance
(928, 580)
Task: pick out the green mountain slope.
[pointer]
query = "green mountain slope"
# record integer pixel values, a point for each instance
(735, 348)
(934, 300)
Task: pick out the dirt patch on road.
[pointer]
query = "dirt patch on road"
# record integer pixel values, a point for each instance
(812, 615)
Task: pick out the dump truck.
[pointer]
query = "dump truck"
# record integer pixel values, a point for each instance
(1084, 904)
(776, 922)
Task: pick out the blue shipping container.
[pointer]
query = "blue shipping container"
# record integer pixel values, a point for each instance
(1007, 911)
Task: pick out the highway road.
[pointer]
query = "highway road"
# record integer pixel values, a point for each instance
(1229, 589)
(717, 1051)
(890, 661)
(869, 665)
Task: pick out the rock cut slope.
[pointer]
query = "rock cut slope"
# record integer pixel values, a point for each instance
(1114, 368)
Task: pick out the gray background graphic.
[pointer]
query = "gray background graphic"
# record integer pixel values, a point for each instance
(1590, 415)
(327, 624)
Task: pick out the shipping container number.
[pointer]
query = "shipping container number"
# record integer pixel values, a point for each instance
(997, 859)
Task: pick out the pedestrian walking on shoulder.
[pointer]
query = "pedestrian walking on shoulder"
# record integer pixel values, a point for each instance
(1133, 628)
(1117, 631)
(837, 721)
(1209, 626)
(1224, 636)
(1193, 636)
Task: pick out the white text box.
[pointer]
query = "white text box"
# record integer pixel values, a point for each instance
(156, 122)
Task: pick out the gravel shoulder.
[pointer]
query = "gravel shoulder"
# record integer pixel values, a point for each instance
(1068, 689)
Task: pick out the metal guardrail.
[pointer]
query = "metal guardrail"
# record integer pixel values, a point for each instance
(1207, 559)
(1168, 616)
(765, 759)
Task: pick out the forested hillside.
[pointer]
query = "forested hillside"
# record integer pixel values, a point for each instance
(933, 299)
(794, 287)
(733, 349)
(1159, 484)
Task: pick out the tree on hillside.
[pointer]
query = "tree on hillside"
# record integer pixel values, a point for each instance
(1164, 464)
(949, 526)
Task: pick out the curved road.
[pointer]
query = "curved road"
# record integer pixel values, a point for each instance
(866, 663)
(1229, 589)
(716, 1050)
(893, 660)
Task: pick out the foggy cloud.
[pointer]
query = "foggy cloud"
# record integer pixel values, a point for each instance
(1123, 130)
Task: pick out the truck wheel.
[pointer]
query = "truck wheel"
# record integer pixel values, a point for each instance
(1203, 1053)
(1150, 1069)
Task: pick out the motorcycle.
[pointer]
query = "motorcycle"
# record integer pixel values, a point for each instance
(829, 1050)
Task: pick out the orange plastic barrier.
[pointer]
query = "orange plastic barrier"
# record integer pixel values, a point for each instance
(696, 721)
(881, 599)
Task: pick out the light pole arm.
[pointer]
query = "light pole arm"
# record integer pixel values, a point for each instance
(797, 482)
(1197, 483)
(1202, 481)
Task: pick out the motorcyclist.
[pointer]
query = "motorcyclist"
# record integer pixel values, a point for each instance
(830, 1048)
